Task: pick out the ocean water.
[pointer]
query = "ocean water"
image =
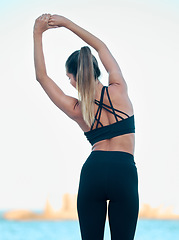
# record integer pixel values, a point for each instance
(69, 230)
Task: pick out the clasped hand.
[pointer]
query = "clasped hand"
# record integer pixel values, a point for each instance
(47, 21)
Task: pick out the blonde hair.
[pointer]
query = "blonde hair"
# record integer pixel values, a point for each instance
(84, 67)
(86, 83)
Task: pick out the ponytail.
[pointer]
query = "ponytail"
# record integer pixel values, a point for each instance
(86, 84)
(83, 65)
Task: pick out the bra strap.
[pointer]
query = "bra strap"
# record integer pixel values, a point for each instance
(106, 107)
(97, 117)
(100, 105)
(111, 104)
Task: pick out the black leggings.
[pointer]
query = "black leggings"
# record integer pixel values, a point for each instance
(108, 175)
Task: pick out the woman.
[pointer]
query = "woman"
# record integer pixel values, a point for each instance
(105, 114)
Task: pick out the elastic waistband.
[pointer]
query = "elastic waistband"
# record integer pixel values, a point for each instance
(120, 152)
(117, 154)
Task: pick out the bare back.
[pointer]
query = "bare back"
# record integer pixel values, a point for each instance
(120, 101)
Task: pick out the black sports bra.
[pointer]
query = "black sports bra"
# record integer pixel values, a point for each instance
(124, 126)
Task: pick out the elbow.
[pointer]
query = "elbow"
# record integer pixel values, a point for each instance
(101, 47)
(37, 78)
(40, 77)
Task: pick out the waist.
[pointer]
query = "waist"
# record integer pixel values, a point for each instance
(111, 156)
(125, 143)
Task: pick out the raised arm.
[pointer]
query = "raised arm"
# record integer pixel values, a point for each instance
(66, 103)
(109, 62)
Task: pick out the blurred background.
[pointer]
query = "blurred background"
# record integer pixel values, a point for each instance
(42, 151)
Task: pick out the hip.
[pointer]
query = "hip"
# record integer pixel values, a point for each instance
(108, 162)
(112, 171)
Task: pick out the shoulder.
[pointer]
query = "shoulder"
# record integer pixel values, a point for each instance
(120, 98)
(116, 78)
(117, 88)
(118, 93)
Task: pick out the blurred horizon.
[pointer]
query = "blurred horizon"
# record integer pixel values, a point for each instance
(68, 211)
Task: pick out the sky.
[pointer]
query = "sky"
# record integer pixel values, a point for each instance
(42, 150)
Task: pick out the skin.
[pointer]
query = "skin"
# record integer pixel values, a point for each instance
(71, 106)
(72, 79)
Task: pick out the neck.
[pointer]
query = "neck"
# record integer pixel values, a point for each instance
(98, 89)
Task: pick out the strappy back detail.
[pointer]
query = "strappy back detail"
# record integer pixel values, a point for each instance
(110, 109)
(124, 126)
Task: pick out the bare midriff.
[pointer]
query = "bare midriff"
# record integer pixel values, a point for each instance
(124, 143)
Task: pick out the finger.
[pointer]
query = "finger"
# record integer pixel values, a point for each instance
(39, 17)
(50, 18)
(47, 15)
(49, 27)
(44, 16)
(50, 21)
(51, 24)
